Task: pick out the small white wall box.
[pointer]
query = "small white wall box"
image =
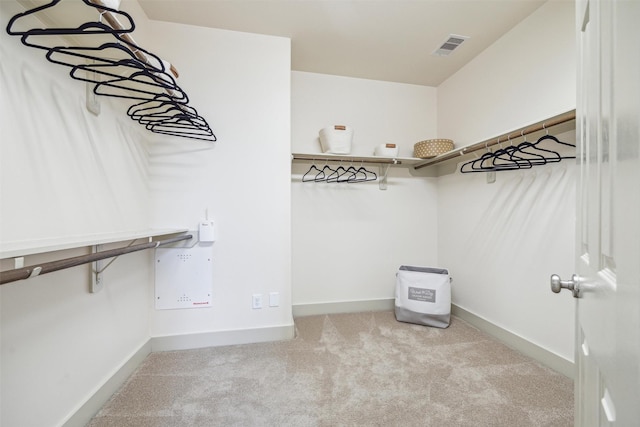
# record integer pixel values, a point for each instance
(205, 232)
(183, 277)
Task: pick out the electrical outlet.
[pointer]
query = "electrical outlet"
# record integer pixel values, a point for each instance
(256, 301)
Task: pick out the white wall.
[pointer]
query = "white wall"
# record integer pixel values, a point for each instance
(350, 239)
(528, 75)
(379, 112)
(241, 83)
(502, 241)
(65, 172)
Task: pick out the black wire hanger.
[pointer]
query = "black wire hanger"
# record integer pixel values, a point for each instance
(166, 116)
(312, 170)
(81, 29)
(556, 140)
(151, 112)
(127, 73)
(362, 175)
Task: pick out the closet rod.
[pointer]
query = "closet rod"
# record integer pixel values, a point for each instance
(49, 267)
(545, 124)
(115, 24)
(345, 158)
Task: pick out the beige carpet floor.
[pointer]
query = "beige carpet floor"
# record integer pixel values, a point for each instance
(362, 369)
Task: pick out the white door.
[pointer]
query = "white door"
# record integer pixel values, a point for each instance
(607, 284)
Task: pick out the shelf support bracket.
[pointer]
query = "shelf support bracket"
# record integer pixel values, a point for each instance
(97, 268)
(384, 172)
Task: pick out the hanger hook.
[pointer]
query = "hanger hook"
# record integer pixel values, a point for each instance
(545, 128)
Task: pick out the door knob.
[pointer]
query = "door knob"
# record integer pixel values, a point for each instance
(573, 284)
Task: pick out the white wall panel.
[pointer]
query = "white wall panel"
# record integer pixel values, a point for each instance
(64, 173)
(502, 241)
(241, 84)
(350, 239)
(527, 75)
(379, 112)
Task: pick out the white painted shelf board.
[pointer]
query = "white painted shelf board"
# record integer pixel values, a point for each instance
(32, 247)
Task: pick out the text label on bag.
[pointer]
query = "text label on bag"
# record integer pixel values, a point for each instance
(421, 294)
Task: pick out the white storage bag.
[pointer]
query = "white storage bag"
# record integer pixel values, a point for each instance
(423, 296)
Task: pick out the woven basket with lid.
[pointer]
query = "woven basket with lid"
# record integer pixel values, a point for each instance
(431, 148)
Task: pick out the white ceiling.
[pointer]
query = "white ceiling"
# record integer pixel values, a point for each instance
(390, 40)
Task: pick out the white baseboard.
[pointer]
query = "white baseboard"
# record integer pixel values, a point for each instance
(82, 416)
(301, 310)
(541, 355)
(221, 338)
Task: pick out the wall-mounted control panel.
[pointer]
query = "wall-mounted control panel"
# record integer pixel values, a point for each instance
(183, 277)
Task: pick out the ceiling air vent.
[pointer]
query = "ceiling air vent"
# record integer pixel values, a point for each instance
(452, 43)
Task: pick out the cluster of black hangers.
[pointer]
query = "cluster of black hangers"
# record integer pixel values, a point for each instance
(522, 156)
(339, 174)
(105, 55)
